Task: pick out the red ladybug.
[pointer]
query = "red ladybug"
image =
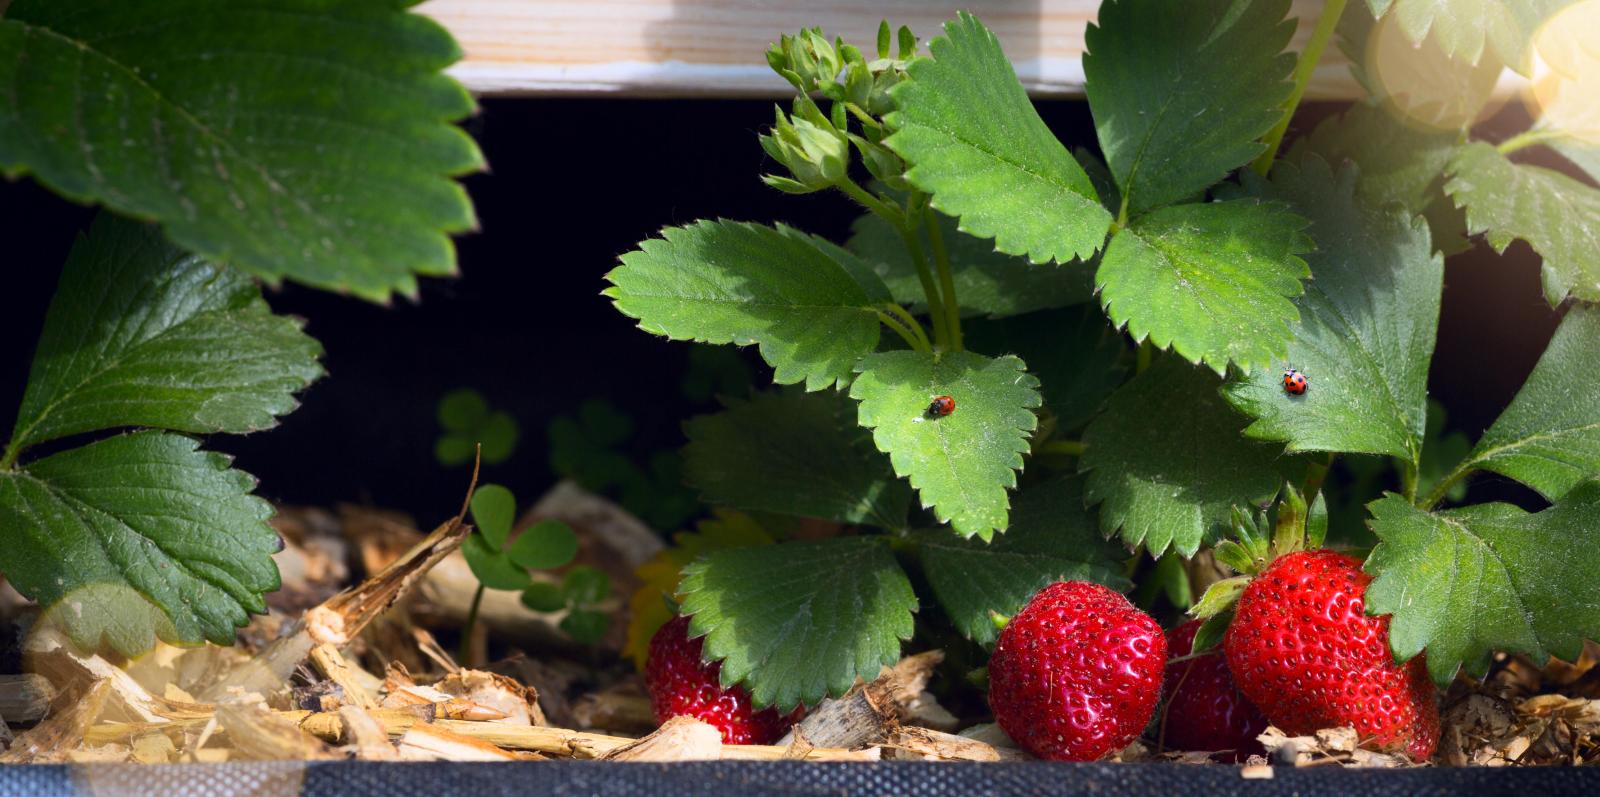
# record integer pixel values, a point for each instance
(1294, 382)
(941, 406)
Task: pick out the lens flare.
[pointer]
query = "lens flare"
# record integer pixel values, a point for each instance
(1423, 84)
(1564, 94)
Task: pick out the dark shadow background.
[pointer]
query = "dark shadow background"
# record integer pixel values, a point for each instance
(573, 184)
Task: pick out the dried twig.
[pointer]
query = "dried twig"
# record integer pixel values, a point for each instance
(333, 666)
(65, 730)
(432, 743)
(339, 619)
(678, 739)
(869, 712)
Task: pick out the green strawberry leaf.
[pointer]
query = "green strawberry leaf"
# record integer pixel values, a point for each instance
(1168, 463)
(963, 463)
(863, 271)
(1399, 162)
(973, 140)
(1078, 358)
(800, 621)
(1182, 92)
(988, 282)
(144, 517)
(796, 454)
(1367, 325)
(1549, 436)
(1465, 583)
(1583, 151)
(1052, 538)
(1554, 213)
(1466, 29)
(289, 138)
(1211, 281)
(732, 282)
(142, 334)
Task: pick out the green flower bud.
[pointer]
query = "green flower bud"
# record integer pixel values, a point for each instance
(815, 153)
(809, 61)
(882, 163)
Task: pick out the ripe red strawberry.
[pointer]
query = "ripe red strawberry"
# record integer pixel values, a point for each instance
(1077, 673)
(1305, 652)
(681, 684)
(1205, 710)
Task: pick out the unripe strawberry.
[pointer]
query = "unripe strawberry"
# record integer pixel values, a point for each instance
(1077, 673)
(680, 684)
(1205, 709)
(1304, 651)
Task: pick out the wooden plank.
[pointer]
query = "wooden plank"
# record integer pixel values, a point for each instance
(715, 47)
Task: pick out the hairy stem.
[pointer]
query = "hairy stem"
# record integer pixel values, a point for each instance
(862, 116)
(904, 222)
(935, 304)
(9, 458)
(911, 323)
(1408, 480)
(916, 342)
(1212, 651)
(1303, 69)
(908, 234)
(1442, 489)
(947, 282)
(1526, 138)
(883, 209)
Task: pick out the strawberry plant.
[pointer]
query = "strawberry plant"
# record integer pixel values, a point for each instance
(1145, 344)
(1038, 374)
(231, 144)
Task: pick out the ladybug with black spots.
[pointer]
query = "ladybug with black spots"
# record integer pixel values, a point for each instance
(941, 406)
(1294, 382)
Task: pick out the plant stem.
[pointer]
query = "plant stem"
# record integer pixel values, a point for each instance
(904, 222)
(1071, 448)
(1212, 651)
(1526, 138)
(1303, 69)
(916, 342)
(908, 234)
(1147, 351)
(925, 276)
(911, 323)
(10, 457)
(862, 116)
(1408, 480)
(1442, 489)
(947, 282)
(889, 213)
(464, 650)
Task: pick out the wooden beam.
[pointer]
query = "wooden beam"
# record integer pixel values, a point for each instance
(670, 48)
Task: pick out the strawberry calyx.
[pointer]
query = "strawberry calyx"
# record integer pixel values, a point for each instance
(1256, 542)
